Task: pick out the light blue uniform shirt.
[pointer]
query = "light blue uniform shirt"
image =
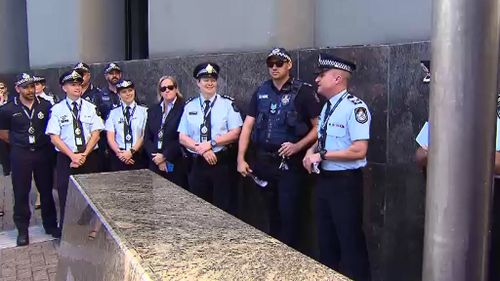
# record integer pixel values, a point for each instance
(223, 118)
(349, 122)
(61, 122)
(116, 123)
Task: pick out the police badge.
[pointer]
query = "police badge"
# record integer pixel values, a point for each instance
(273, 108)
(285, 99)
(361, 115)
(40, 115)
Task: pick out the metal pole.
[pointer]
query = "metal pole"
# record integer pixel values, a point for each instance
(465, 45)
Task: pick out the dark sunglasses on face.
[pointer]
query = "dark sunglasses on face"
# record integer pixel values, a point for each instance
(279, 63)
(169, 87)
(2, 87)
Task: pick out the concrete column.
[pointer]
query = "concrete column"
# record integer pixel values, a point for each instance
(13, 36)
(462, 122)
(192, 26)
(65, 31)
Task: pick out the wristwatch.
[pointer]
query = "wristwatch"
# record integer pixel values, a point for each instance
(322, 154)
(213, 143)
(132, 151)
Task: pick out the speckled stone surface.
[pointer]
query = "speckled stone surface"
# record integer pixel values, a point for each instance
(154, 230)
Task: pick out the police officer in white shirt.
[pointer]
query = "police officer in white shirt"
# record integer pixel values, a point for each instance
(74, 128)
(209, 124)
(125, 130)
(338, 156)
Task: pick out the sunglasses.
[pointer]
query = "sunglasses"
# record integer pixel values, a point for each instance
(279, 63)
(1, 87)
(169, 87)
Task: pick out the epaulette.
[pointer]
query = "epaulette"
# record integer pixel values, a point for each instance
(190, 99)
(228, 97)
(354, 99)
(113, 108)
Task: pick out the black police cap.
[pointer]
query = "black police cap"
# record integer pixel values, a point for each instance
(70, 76)
(110, 67)
(206, 69)
(81, 67)
(280, 53)
(123, 84)
(326, 62)
(426, 67)
(40, 79)
(24, 79)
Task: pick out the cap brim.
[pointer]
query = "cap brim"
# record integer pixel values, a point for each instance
(24, 84)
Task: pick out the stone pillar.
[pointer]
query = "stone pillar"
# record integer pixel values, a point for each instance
(192, 26)
(65, 31)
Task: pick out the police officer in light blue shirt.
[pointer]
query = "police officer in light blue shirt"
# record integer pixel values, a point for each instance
(209, 124)
(125, 130)
(74, 128)
(338, 156)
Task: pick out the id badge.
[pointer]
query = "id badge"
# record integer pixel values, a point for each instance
(159, 145)
(79, 141)
(31, 139)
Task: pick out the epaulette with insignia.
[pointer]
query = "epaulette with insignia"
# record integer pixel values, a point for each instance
(228, 97)
(190, 99)
(354, 99)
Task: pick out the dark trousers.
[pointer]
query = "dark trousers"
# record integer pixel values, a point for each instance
(494, 267)
(339, 217)
(177, 176)
(117, 165)
(211, 182)
(5, 157)
(103, 153)
(25, 165)
(91, 165)
(281, 196)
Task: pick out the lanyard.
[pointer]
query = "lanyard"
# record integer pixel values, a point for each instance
(128, 121)
(209, 108)
(329, 114)
(78, 107)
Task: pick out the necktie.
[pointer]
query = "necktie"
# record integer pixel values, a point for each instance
(128, 126)
(78, 129)
(206, 120)
(75, 109)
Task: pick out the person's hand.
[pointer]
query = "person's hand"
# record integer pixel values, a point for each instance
(130, 161)
(244, 168)
(309, 160)
(127, 155)
(77, 159)
(158, 158)
(210, 157)
(203, 147)
(425, 147)
(288, 149)
(163, 166)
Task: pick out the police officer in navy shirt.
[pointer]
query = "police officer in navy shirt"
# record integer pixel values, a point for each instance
(209, 124)
(281, 121)
(22, 124)
(338, 156)
(74, 128)
(89, 90)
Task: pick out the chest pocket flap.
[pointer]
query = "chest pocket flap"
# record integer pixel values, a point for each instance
(337, 130)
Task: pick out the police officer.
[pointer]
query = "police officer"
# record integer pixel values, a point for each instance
(125, 130)
(209, 124)
(22, 124)
(108, 98)
(283, 114)
(74, 128)
(40, 88)
(423, 136)
(88, 89)
(338, 156)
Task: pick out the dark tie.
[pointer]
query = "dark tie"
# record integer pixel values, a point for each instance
(75, 109)
(322, 140)
(207, 119)
(127, 113)
(77, 126)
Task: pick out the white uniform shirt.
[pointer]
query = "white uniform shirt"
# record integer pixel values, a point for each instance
(348, 123)
(116, 123)
(61, 121)
(224, 118)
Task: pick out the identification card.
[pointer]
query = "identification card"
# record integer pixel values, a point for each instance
(31, 139)
(79, 141)
(160, 143)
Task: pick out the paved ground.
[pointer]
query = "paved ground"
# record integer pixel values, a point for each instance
(36, 262)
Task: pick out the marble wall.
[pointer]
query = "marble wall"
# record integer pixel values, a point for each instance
(388, 79)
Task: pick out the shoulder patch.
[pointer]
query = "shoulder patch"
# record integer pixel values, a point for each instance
(354, 99)
(228, 97)
(190, 99)
(361, 115)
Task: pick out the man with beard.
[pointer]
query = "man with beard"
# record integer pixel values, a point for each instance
(22, 124)
(283, 115)
(74, 128)
(90, 92)
(338, 156)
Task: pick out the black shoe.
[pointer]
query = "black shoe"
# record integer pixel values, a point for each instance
(23, 238)
(55, 232)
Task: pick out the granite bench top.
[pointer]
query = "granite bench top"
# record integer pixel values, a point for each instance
(174, 235)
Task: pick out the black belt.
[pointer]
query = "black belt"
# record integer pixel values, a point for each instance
(343, 173)
(31, 148)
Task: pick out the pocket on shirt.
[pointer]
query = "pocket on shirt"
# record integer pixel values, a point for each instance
(337, 131)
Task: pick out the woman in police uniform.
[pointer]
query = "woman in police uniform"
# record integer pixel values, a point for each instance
(209, 124)
(161, 139)
(125, 130)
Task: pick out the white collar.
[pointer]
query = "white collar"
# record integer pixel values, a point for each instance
(334, 99)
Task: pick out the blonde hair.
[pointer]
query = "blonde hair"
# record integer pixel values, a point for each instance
(174, 82)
